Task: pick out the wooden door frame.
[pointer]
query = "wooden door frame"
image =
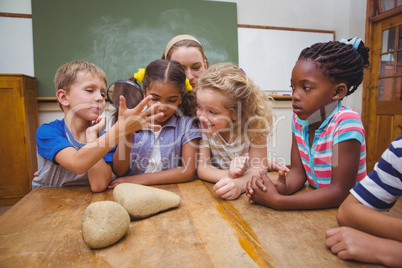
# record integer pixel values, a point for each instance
(368, 89)
(369, 92)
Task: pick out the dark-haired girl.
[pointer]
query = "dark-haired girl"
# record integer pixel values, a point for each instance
(328, 147)
(166, 156)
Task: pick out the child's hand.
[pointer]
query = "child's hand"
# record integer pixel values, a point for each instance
(269, 197)
(280, 183)
(275, 166)
(238, 166)
(136, 119)
(227, 188)
(97, 127)
(258, 182)
(351, 244)
(117, 181)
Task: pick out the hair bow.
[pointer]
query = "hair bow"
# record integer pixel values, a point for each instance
(188, 85)
(355, 42)
(139, 76)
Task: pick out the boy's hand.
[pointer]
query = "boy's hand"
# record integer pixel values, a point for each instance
(97, 127)
(351, 244)
(227, 188)
(135, 119)
(238, 166)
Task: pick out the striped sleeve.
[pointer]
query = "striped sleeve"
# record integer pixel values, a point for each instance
(381, 188)
(348, 126)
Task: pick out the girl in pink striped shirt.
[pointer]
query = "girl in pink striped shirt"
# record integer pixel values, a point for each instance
(328, 147)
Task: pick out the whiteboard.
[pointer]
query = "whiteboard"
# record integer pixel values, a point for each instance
(268, 54)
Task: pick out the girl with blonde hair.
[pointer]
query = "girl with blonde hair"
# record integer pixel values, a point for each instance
(236, 118)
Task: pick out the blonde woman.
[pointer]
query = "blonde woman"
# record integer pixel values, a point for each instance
(190, 53)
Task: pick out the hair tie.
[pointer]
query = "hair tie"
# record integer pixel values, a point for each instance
(188, 85)
(176, 39)
(139, 76)
(355, 42)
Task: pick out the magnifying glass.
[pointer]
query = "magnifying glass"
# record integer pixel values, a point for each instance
(131, 91)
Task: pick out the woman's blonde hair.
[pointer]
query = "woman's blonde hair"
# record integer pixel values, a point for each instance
(251, 105)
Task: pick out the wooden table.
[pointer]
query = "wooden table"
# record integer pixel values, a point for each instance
(44, 229)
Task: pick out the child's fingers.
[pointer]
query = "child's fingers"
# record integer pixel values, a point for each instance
(331, 232)
(221, 189)
(143, 103)
(238, 166)
(153, 118)
(101, 121)
(266, 180)
(219, 184)
(249, 190)
(260, 184)
(122, 104)
(334, 243)
(150, 110)
(284, 168)
(282, 177)
(154, 127)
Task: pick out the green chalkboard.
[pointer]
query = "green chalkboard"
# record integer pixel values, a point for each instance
(121, 36)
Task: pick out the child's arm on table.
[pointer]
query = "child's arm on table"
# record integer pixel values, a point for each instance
(100, 174)
(207, 172)
(226, 186)
(229, 188)
(130, 120)
(346, 155)
(352, 244)
(122, 157)
(287, 183)
(184, 173)
(354, 214)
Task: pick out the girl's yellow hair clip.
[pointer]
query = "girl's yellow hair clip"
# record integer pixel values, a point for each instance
(139, 76)
(188, 85)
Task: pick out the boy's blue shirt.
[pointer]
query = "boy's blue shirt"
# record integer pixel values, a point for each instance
(50, 139)
(55, 136)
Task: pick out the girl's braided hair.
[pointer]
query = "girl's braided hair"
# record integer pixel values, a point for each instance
(340, 61)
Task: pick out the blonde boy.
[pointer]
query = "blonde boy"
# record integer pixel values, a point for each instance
(76, 150)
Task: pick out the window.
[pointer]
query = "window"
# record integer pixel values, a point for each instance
(386, 5)
(390, 76)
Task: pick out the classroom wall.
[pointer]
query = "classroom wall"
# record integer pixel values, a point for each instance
(345, 17)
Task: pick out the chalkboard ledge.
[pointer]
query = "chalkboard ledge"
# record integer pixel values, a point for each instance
(281, 97)
(274, 96)
(46, 99)
(51, 99)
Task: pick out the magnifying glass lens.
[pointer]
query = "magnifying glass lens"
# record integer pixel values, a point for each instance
(129, 90)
